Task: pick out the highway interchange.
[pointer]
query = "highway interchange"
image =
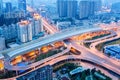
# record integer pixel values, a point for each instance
(91, 54)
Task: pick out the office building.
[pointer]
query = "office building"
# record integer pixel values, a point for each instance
(1, 6)
(67, 8)
(24, 31)
(8, 7)
(22, 5)
(86, 8)
(44, 73)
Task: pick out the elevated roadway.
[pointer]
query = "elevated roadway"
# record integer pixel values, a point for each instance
(49, 27)
(94, 44)
(62, 58)
(100, 58)
(112, 34)
(48, 40)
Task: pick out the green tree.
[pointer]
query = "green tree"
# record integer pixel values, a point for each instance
(83, 76)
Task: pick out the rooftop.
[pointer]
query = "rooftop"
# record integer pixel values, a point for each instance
(115, 48)
(77, 70)
(25, 22)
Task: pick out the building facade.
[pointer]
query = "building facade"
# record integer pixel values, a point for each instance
(37, 25)
(62, 8)
(22, 5)
(1, 6)
(72, 8)
(67, 8)
(9, 32)
(98, 5)
(86, 8)
(25, 31)
(8, 7)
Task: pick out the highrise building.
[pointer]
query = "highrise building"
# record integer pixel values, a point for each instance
(8, 7)
(62, 8)
(86, 8)
(67, 8)
(1, 6)
(25, 31)
(98, 5)
(30, 35)
(71, 8)
(43, 73)
(37, 25)
(22, 5)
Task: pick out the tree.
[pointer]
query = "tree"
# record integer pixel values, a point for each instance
(109, 54)
(83, 76)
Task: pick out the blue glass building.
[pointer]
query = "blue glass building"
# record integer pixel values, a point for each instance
(67, 8)
(22, 5)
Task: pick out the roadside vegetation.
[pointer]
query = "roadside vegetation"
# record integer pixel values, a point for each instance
(102, 45)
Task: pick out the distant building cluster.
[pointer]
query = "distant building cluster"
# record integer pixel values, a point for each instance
(22, 31)
(44, 73)
(8, 32)
(12, 14)
(15, 26)
(67, 8)
(28, 29)
(10, 8)
(69, 11)
(70, 8)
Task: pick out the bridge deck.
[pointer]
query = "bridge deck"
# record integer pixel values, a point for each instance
(46, 40)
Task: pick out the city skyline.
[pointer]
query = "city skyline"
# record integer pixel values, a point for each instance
(47, 2)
